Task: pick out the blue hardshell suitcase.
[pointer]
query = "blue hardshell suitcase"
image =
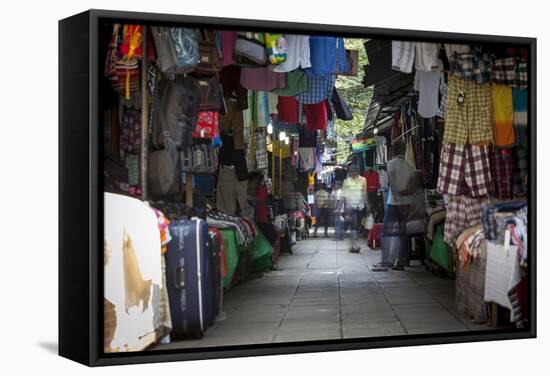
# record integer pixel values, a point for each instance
(188, 268)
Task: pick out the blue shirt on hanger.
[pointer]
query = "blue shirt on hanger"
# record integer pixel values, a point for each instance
(324, 52)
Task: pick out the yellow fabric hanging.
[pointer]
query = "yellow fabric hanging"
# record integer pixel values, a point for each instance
(285, 149)
(135, 38)
(409, 153)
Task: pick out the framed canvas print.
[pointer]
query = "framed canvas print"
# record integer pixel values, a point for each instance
(236, 187)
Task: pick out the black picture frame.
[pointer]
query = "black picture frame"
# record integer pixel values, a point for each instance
(81, 202)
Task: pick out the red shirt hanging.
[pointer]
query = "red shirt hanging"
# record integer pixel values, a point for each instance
(316, 116)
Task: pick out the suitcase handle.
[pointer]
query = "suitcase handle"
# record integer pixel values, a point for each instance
(179, 277)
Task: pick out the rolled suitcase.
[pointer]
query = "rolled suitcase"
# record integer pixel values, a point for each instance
(188, 278)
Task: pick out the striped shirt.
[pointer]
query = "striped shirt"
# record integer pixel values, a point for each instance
(321, 199)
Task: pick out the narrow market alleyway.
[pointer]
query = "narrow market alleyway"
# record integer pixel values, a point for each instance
(324, 292)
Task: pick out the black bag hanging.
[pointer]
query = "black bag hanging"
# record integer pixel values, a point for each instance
(341, 108)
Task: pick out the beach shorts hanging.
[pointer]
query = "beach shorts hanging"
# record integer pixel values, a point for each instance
(277, 48)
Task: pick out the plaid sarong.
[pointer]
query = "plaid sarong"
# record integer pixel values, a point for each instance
(510, 71)
(472, 67)
(462, 212)
(520, 171)
(464, 169)
(502, 172)
(468, 113)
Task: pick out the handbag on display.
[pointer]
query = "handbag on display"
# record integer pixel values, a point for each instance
(209, 57)
(207, 125)
(164, 170)
(341, 108)
(250, 46)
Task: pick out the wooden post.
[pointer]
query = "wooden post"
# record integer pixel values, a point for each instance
(189, 190)
(144, 160)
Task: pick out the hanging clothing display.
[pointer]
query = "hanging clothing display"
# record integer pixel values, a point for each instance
(228, 39)
(232, 88)
(298, 55)
(458, 49)
(319, 89)
(510, 71)
(259, 109)
(426, 56)
(464, 168)
(428, 83)
(462, 212)
(468, 117)
(403, 56)
(307, 157)
(328, 56)
(316, 116)
(262, 79)
(307, 138)
(287, 108)
(502, 173)
(472, 66)
(233, 123)
(519, 97)
(503, 115)
(520, 172)
(381, 150)
(296, 82)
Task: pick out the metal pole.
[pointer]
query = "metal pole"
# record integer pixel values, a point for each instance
(273, 185)
(280, 169)
(144, 160)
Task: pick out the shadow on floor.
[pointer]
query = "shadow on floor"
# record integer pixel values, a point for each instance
(51, 347)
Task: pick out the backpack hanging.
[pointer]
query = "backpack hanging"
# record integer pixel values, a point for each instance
(176, 110)
(209, 57)
(177, 49)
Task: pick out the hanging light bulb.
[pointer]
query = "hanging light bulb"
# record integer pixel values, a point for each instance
(270, 128)
(282, 136)
(287, 140)
(375, 130)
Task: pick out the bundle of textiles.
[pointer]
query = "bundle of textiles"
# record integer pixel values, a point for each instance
(245, 230)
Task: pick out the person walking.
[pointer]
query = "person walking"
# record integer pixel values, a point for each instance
(322, 206)
(354, 192)
(337, 207)
(401, 180)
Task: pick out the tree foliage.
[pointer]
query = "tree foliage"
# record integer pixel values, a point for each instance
(357, 97)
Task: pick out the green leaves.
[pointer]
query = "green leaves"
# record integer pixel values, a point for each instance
(358, 98)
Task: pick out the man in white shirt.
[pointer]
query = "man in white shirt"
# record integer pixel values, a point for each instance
(401, 177)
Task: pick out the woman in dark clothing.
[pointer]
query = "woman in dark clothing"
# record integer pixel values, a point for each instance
(259, 196)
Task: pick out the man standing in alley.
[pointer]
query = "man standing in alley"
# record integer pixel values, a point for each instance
(402, 182)
(354, 193)
(322, 206)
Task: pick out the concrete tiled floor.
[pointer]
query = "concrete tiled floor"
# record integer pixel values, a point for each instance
(324, 292)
